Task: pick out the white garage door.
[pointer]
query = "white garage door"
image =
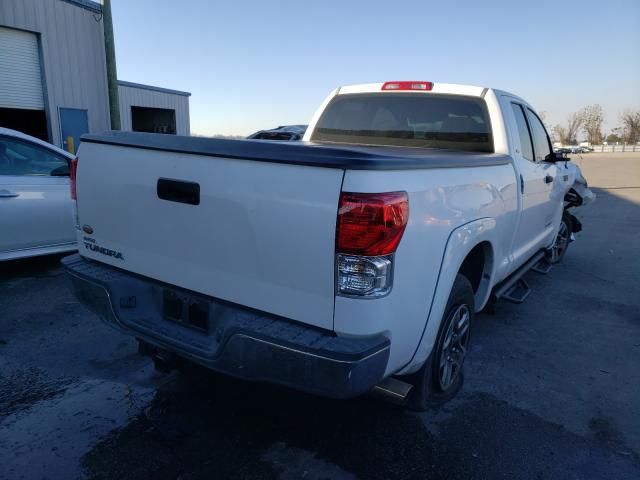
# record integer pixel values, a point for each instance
(20, 79)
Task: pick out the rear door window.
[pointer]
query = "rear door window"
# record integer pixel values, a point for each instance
(453, 122)
(541, 145)
(526, 145)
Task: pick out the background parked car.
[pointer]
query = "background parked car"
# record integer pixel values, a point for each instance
(287, 133)
(36, 211)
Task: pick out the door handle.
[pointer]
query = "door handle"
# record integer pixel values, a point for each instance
(8, 194)
(548, 179)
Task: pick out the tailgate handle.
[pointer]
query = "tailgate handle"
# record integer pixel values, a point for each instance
(179, 191)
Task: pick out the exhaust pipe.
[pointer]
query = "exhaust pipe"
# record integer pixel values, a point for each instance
(392, 390)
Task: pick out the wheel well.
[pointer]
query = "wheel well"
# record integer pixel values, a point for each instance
(476, 264)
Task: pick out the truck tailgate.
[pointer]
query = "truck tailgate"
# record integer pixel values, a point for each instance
(261, 235)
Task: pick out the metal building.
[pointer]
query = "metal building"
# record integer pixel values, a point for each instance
(53, 76)
(144, 108)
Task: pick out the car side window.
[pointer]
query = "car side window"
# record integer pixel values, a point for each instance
(541, 145)
(22, 158)
(523, 131)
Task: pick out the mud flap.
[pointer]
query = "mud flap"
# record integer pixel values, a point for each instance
(576, 225)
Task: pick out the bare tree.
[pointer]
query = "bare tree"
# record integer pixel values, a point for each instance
(550, 129)
(631, 121)
(592, 118)
(560, 134)
(568, 134)
(573, 126)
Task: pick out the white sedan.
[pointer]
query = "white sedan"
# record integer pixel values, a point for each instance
(36, 211)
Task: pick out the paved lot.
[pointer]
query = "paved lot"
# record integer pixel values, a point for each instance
(552, 387)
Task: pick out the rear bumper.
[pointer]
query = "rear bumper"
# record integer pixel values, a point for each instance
(237, 341)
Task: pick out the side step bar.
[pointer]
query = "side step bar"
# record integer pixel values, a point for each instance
(515, 289)
(542, 267)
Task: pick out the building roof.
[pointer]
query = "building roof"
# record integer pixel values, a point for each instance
(88, 4)
(152, 88)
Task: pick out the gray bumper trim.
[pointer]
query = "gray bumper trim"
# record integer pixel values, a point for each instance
(239, 341)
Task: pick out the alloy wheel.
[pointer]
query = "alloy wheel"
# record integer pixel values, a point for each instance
(454, 347)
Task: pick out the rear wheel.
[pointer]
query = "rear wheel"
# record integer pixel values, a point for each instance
(555, 253)
(441, 377)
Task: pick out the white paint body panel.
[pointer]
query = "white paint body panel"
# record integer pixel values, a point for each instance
(263, 235)
(440, 201)
(40, 214)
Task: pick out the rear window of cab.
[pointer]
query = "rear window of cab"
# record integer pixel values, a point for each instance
(452, 122)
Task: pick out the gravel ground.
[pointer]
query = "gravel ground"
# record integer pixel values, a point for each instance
(552, 386)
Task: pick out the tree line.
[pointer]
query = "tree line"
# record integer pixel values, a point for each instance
(589, 122)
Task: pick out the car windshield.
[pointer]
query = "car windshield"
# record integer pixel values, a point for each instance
(453, 122)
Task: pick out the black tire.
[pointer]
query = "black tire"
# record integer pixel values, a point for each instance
(429, 388)
(556, 252)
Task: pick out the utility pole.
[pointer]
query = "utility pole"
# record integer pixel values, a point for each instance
(112, 76)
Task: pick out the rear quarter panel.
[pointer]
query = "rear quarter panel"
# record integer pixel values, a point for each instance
(441, 201)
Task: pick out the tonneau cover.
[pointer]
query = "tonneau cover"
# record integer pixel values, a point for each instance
(349, 157)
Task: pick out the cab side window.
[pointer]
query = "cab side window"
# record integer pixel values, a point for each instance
(541, 144)
(22, 158)
(523, 131)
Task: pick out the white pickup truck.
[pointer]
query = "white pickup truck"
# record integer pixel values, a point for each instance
(353, 261)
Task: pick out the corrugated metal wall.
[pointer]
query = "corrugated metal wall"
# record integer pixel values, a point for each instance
(142, 97)
(72, 56)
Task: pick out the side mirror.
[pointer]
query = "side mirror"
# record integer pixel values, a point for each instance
(557, 157)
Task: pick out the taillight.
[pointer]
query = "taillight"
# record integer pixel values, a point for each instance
(73, 174)
(369, 229)
(424, 86)
(73, 170)
(371, 223)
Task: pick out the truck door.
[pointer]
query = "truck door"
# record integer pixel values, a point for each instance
(554, 185)
(535, 223)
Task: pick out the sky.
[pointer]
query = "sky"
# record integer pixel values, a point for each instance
(252, 65)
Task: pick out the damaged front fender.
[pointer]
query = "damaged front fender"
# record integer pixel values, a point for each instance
(579, 194)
